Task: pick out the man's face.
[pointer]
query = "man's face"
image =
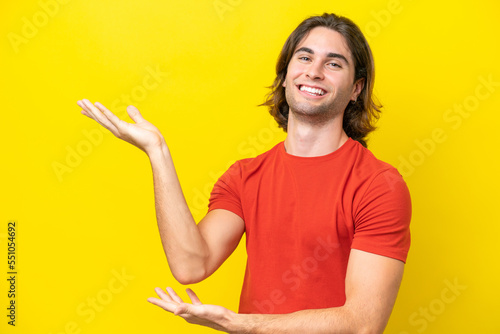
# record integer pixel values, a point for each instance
(319, 81)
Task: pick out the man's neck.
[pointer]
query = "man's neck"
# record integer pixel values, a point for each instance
(311, 140)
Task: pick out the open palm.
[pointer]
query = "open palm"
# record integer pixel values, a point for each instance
(212, 316)
(141, 133)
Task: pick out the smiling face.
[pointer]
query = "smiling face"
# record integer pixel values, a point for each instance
(320, 76)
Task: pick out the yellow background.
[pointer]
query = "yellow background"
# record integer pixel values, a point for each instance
(84, 217)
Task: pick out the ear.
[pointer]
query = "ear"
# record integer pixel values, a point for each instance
(357, 88)
(284, 83)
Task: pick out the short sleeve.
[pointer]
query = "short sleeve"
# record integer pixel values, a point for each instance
(382, 217)
(227, 190)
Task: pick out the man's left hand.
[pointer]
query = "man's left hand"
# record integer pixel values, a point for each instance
(213, 316)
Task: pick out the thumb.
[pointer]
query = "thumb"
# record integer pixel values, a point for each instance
(194, 298)
(134, 114)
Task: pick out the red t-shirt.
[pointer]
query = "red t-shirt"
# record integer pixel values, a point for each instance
(302, 217)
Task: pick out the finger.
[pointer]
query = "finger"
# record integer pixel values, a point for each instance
(92, 111)
(163, 295)
(194, 298)
(174, 295)
(84, 108)
(134, 114)
(87, 106)
(87, 111)
(83, 112)
(170, 307)
(98, 116)
(80, 104)
(109, 115)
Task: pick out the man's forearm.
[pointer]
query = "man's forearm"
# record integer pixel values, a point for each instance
(182, 242)
(372, 284)
(318, 321)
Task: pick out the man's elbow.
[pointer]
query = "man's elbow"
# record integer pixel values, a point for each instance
(188, 280)
(190, 268)
(371, 326)
(189, 276)
(366, 322)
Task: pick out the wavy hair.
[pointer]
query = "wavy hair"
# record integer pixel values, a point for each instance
(360, 116)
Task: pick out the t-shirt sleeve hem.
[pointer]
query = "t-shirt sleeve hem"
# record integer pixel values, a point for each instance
(226, 206)
(401, 256)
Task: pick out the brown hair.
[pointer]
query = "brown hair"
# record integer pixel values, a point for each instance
(359, 116)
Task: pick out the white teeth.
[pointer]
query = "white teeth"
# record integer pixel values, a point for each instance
(311, 90)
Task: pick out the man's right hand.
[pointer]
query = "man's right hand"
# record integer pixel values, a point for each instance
(193, 251)
(142, 134)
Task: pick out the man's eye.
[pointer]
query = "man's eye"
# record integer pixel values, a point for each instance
(304, 58)
(335, 65)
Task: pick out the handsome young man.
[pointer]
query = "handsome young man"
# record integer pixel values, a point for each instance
(326, 223)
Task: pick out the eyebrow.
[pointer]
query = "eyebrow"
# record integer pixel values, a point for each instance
(329, 55)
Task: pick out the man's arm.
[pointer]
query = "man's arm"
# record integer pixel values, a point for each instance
(372, 284)
(193, 251)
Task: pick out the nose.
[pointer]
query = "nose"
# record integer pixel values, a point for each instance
(315, 71)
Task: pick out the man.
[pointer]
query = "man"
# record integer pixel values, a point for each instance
(327, 224)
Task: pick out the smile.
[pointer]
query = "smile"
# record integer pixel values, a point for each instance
(312, 91)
